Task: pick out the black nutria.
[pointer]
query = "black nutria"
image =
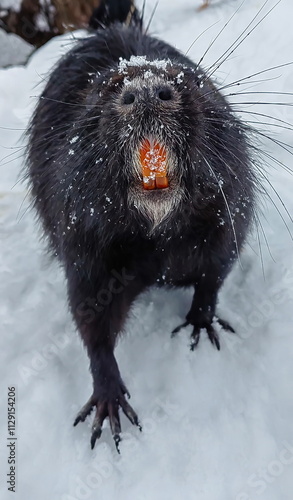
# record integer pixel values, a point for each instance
(141, 174)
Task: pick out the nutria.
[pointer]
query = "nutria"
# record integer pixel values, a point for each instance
(141, 175)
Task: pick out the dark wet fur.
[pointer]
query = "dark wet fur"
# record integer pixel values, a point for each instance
(108, 249)
(110, 11)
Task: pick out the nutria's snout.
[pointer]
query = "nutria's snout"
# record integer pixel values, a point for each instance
(142, 94)
(147, 95)
(148, 105)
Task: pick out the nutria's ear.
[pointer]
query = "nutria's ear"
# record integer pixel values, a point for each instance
(108, 12)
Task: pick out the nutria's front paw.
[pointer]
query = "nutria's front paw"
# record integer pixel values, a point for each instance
(108, 407)
(210, 329)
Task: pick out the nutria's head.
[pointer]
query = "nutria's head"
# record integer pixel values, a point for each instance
(158, 138)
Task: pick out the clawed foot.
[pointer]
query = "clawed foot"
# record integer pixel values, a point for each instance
(208, 326)
(108, 407)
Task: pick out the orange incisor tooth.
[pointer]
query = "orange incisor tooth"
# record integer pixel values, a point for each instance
(153, 159)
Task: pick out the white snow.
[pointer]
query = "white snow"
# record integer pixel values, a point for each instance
(74, 139)
(216, 425)
(14, 50)
(11, 4)
(42, 22)
(138, 61)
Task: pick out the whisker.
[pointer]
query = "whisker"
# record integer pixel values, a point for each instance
(241, 80)
(19, 181)
(282, 144)
(63, 102)
(273, 159)
(266, 116)
(227, 206)
(261, 173)
(260, 92)
(152, 16)
(260, 252)
(254, 122)
(219, 34)
(222, 59)
(21, 205)
(280, 200)
(11, 128)
(13, 159)
(259, 223)
(261, 103)
(276, 125)
(198, 37)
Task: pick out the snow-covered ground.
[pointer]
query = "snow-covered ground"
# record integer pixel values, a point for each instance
(216, 425)
(14, 50)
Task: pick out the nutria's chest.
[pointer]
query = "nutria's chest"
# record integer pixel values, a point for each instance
(173, 261)
(179, 264)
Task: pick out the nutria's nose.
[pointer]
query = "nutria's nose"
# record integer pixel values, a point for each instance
(128, 98)
(162, 93)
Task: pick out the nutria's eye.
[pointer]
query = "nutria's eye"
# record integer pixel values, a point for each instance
(128, 98)
(165, 94)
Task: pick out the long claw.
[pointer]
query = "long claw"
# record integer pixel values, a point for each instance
(100, 416)
(225, 325)
(125, 390)
(130, 413)
(84, 412)
(96, 434)
(117, 440)
(178, 328)
(213, 336)
(195, 336)
(114, 419)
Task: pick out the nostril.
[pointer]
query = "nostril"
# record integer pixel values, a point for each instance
(165, 94)
(128, 98)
